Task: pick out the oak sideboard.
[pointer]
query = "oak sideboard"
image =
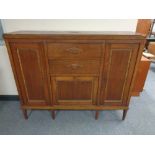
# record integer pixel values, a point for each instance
(74, 70)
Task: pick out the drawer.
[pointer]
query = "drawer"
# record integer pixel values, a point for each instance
(74, 50)
(74, 67)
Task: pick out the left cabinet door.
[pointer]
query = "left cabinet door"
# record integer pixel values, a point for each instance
(29, 67)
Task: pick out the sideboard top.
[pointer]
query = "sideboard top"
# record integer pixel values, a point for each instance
(75, 35)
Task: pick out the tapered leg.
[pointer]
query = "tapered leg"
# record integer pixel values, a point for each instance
(96, 115)
(124, 114)
(53, 114)
(25, 113)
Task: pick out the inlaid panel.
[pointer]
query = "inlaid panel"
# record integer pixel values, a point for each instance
(28, 59)
(119, 63)
(75, 90)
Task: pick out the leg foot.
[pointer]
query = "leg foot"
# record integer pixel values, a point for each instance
(96, 115)
(124, 114)
(25, 114)
(53, 114)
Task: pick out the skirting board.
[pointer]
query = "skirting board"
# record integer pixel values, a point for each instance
(9, 98)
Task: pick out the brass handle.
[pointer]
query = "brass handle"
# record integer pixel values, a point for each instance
(74, 50)
(75, 66)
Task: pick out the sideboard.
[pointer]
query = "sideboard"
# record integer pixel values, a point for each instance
(74, 70)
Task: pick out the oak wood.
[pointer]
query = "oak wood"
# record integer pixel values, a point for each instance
(60, 35)
(143, 26)
(141, 76)
(75, 107)
(141, 48)
(29, 63)
(74, 70)
(74, 50)
(118, 69)
(74, 67)
(74, 90)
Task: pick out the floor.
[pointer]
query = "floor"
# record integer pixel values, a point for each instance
(140, 118)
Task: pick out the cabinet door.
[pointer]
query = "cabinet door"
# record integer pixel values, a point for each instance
(119, 66)
(28, 59)
(74, 90)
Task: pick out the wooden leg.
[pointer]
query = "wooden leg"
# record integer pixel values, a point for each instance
(124, 114)
(96, 115)
(25, 113)
(53, 114)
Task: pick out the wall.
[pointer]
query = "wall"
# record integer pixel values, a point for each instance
(7, 83)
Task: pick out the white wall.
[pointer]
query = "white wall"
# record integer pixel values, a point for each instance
(96, 25)
(7, 83)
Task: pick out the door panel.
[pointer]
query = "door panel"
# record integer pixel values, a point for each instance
(30, 70)
(120, 60)
(64, 90)
(74, 90)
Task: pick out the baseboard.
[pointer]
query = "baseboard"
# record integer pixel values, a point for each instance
(9, 98)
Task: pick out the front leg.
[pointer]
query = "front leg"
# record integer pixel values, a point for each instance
(53, 114)
(25, 113)
(124, 114)
(96, 115)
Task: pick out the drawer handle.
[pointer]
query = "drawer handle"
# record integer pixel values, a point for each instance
(74, 50)
(75, 66)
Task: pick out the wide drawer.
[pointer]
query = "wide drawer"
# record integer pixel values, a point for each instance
(74, 67)
(74, 50)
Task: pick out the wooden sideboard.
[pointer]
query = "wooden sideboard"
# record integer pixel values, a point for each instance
(74, 70)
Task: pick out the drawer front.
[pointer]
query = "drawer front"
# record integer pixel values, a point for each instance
(74, 50)
(74, 67)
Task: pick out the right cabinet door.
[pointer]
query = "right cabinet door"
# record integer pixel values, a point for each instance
(119, 65)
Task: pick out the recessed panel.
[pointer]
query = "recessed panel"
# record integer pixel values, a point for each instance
(118, 68)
